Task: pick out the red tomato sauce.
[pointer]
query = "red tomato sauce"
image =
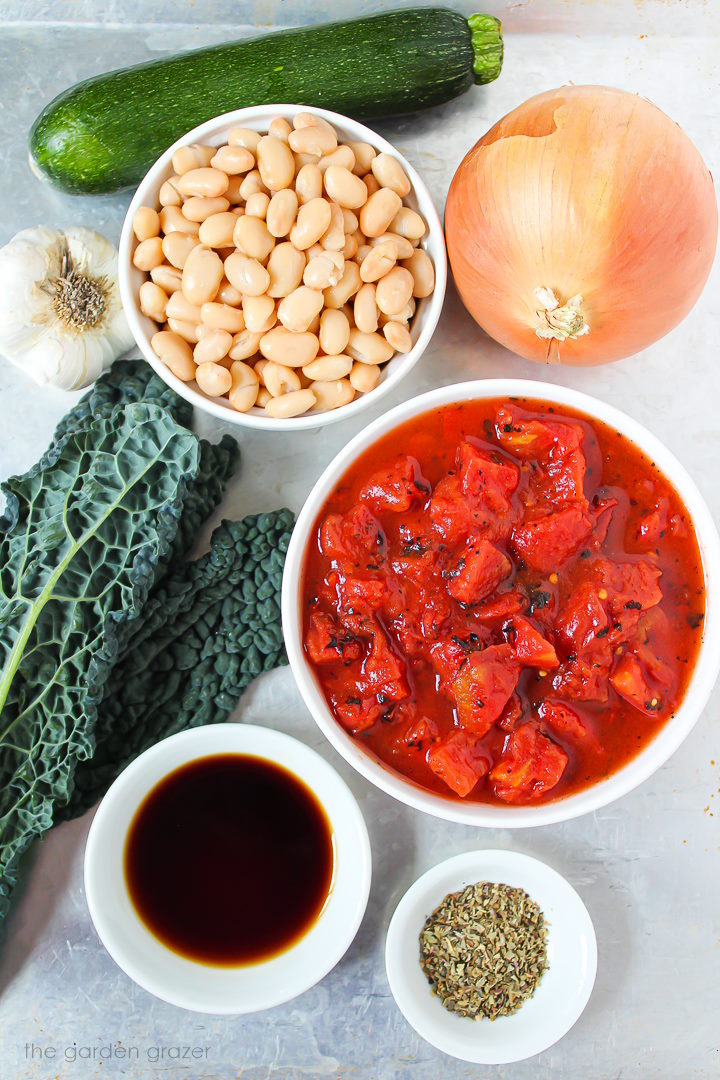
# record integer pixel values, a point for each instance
(503, 600)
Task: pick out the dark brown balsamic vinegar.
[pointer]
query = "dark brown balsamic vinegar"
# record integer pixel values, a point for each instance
(229, 859)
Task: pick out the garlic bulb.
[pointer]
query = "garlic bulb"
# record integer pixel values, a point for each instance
(61, 319)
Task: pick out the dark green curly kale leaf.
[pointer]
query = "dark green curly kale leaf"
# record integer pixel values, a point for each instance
(85, 532)
(208, 628)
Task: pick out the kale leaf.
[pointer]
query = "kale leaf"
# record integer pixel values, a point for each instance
(209, 627)
(85, 533)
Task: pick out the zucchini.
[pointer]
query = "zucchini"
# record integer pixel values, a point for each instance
(105, 133)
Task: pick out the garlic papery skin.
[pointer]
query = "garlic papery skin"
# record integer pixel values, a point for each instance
(61, 318)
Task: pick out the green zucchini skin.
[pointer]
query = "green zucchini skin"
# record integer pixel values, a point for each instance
(104, 134)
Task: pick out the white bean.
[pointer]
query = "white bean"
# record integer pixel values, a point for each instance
(251, 184)
(177, 246)
(233, 160)
(251, 237)
(244, 137)
(293, 404)
(423, 272)
(379, 261)
(393, 290)
(408, 223)
(247, 274)
(207, 182)
(222, 317)
(280, 128)
(198, 208)
(281, 212)
(288, 348)
(389, 173)
(364, 154)
(364, 377)
(213, 379)
(314, 139)
(257, 204)
(308, 184)
(146, 223)
(175, 353)
(333, 239)
(169, 194)
(312, 221)
(172, 219)
(279, 379)
(153, 301)
(324, 270)
(365, 309)
(298, 309)
(202, 274)
(338, 295)
(217, 230)
(179, 307)
(228, 294)
(245, 344)
(331, 395)
(334, 331)
(149, 253)
(186, 330)
(403, 247)
(343, 157)
(245, 386)
(379, 211)
(398, 335)
(275, 162)
(327, 368)
(259, 312)
(213, 346)
(368, 348)
(285, 269)
(192, 156)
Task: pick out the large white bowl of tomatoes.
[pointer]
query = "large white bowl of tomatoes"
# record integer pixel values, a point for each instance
(500, 603)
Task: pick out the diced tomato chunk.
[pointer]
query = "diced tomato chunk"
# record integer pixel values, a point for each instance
(459, 761)
(397, 487)
(562, 719)
(449, 656)
(455, 516)
(529, 646)
(488, 480)
(602, 513)
(417, 735)
(530, 766)
(478, 572)
(628, 679)
(652, 525)
(326, 642)
(523, 438)
(500, 608)
(547, 542)
(585, 677)
(581, 619)
(483, 686)
(349, 538)
(629, 584)
(357, 714)
(383, 673)
(511, 714)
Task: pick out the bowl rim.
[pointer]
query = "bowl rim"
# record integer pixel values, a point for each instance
(434, 243)
(216, 989)
(554, 1008)
(634, 772)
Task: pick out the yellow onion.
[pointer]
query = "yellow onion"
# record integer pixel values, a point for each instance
(582, 227)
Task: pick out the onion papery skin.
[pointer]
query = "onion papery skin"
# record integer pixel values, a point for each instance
(582, 190)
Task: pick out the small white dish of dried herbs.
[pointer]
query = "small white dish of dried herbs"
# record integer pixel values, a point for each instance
(491, 956)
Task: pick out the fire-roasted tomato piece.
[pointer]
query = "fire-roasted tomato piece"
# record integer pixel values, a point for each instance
(530, 647)
(483, 686)
(397, 487)
(459, 760)
(478, 571)
(530, 766)
(327, 642)
(545, 543)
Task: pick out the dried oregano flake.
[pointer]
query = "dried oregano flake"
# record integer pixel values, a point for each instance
(484, 950)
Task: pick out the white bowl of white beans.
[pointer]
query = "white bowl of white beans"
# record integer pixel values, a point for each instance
(282, 267)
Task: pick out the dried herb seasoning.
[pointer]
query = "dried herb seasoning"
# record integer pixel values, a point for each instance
(484, 950)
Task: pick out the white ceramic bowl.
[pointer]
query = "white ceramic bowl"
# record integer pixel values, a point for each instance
(203, 987)
(214, 133)
(562, 993)
(655, 753)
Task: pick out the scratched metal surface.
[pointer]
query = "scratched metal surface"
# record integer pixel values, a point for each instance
(648, 867)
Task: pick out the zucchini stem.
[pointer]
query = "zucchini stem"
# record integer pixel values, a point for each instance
(487, 46)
